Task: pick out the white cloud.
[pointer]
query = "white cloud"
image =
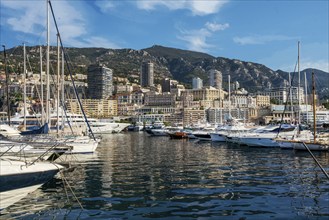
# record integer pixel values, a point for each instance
(30, 18)
(217, 27)
(261, 39)
(197, 39)
(197, 7)
(104, 6)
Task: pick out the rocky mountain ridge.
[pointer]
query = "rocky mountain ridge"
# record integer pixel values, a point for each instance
(181, 65)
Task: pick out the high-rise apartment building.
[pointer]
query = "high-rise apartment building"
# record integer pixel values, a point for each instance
(100, 84)
(235, 85)
(166, 84)
(215, 78)
(146, 74)
(197, 83)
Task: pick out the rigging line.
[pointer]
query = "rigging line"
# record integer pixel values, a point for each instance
(37, 89)
(66, 116)
(286, 103)
(69, 69)
(316, 161)
(31, 108)
(71, 119)
(45, 153)
(62, 101)
(28, 61)
(71, 190)
(54, 90)
(66, 193)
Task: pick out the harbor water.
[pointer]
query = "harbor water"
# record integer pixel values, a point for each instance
(135, 176)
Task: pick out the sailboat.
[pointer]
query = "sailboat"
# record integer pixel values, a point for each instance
(84, 144)
(20, 174)
(317, 144)
(35, 128)
(312, 142)
(301, 134)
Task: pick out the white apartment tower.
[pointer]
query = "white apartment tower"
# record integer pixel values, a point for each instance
(197, 83)
(215, 78)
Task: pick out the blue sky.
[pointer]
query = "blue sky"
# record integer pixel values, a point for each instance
(258, 31)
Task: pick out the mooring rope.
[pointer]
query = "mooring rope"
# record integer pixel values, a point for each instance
(70, 188)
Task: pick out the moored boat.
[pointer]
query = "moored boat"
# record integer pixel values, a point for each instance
(18, 175)
(178, 135)
(157, 132)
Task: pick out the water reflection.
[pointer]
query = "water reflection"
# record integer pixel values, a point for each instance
(135, 176)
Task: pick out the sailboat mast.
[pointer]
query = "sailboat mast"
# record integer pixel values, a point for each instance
(229, 95)
(47, 82)
(24, 87)
(298, 91)
(41, 88)
(62, 90)
(58, 71)
(314, 107)
(7, 84)
(291, 105)
(306, 97)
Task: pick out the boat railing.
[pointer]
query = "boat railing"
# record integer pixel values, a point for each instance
(22, 146)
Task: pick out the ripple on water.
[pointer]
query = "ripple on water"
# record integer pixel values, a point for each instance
(134, 176)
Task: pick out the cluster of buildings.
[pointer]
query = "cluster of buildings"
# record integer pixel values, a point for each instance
(105, 96)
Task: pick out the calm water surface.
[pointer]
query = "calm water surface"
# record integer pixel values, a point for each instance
(134, 176)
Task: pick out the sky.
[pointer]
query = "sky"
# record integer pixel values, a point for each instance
(260, 31)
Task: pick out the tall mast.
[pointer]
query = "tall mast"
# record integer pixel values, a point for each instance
(298, 91)
(24, 87)
(62, 90)
(306, 97)
(41, 88)
(47, 83)
(58, 71)
(229, 95)
(7, 84)
(314, 107)
(290, 92)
